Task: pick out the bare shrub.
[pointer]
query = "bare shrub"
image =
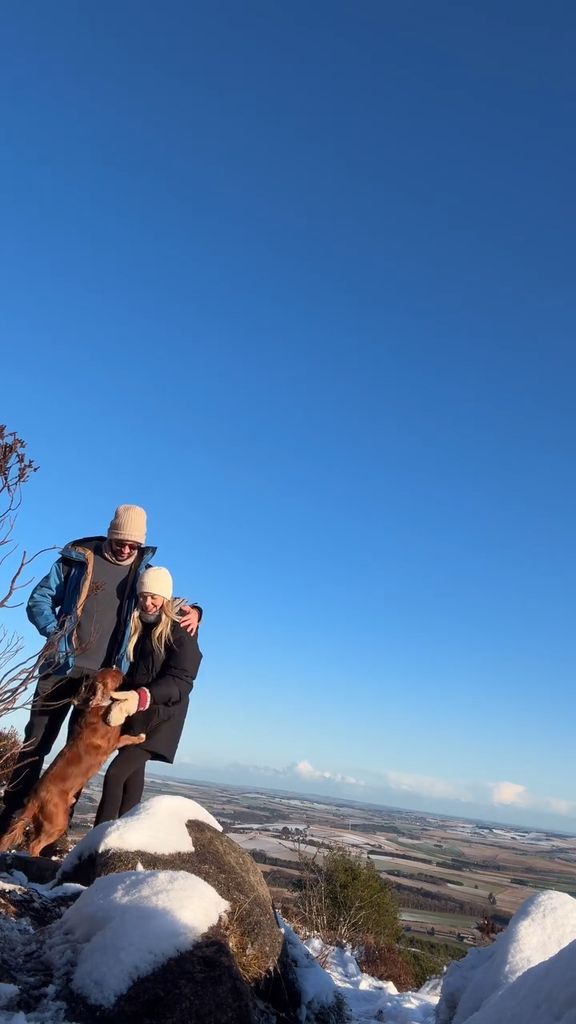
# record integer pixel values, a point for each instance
(10, 744)
(15, 470)
(386, 963)
(16, 673)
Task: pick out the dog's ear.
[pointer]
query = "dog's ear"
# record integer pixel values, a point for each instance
(85, 692)
(117, 679)
(98, 695)
(102, 684)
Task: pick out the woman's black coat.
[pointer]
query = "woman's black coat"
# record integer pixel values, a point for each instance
(170, 680)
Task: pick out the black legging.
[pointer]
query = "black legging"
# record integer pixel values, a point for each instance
(123, 784)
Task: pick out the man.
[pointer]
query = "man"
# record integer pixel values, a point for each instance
(85, 605)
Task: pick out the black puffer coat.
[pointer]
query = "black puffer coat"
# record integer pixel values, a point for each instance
(170, 680)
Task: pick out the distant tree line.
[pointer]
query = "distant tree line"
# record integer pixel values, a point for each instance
(422, 899)
(399, 856)
(261, 857)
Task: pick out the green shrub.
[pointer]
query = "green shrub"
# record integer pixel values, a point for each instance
(428, 959)
(343, 899)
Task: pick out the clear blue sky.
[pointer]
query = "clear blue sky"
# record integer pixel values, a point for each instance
(299, 279)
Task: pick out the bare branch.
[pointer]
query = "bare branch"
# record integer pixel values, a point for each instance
(16, 676)
(6, 528)
(15, 583)
(15, 467)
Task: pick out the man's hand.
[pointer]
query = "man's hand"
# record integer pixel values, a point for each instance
(125, 704)
(190, 618)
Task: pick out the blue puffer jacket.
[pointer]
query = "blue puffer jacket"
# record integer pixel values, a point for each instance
(55, 602)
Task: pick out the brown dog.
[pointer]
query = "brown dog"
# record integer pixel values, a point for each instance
(47, 809)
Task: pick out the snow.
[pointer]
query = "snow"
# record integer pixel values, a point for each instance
(369, 999)
(366, 998)
(52, 891)
(127, 924)
(544, 924)
(156, 826)
(545, 994)
(528, 976)
(269, 845)
(8, 993)
(317, 987)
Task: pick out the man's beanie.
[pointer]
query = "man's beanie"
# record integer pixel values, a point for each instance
(155, 580)
(129, 523)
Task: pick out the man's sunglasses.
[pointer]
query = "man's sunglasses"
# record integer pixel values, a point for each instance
(125, 544)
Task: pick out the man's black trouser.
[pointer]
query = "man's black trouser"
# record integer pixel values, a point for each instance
(50, 705)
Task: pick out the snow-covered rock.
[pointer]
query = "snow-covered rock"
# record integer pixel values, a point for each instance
(545, 994)
(172, 833)
(318, 994)
(545, 924)
(126, 925)
(157, 826)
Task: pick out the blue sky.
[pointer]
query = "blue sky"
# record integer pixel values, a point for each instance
(299, 279)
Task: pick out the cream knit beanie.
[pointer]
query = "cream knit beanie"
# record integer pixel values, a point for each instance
(129, 523)
(155, 580)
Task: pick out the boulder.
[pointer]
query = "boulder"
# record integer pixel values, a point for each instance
(26, 915)
(35, 869)
(171, 962)
(250, 928)
(200, 986)
(544, 925)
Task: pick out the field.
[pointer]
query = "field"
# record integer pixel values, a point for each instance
(448, 874)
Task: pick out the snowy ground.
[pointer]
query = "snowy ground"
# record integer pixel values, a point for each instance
(366, 998)
(127, 923)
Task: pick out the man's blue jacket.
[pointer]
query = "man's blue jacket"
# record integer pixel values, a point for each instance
(57, 600)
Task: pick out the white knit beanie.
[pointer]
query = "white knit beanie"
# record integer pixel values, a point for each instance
(129, 523)
(155, 580)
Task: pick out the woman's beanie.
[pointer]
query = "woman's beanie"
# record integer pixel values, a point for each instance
(129, 523)
(155, 580)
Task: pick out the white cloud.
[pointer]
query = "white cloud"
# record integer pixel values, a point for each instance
(307, 771)
(425, 785)
(510, 793)
(386, 785)
(303, 769)
(559, 806)
(513, 794)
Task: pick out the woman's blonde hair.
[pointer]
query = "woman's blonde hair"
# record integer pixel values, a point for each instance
(161, 632)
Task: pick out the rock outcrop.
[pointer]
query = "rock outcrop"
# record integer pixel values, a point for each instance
(543, 930)
(250, 928)
(160, 918)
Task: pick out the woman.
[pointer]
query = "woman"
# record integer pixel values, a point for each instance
(154, 698)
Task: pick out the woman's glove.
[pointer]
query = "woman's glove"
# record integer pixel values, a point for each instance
(127, 702)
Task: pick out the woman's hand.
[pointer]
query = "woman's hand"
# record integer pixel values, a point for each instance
(125, 704)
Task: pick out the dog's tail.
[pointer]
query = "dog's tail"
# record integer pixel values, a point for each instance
(15, 835)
